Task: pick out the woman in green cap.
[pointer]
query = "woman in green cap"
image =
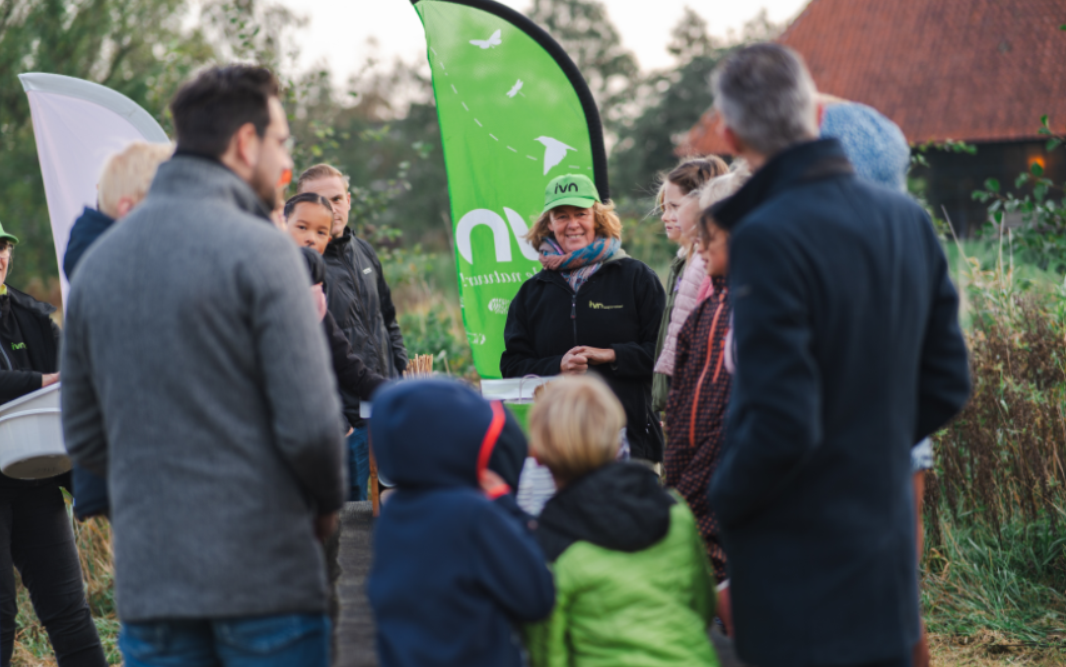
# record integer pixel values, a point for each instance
(592, 308)
(35, 533)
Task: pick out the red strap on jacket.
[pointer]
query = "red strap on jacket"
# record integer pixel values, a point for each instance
(499, 418)
(706, 367)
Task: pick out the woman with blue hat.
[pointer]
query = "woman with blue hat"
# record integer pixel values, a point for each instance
(592, 308)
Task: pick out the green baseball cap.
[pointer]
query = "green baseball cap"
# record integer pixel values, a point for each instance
(570, 190)
(4, 236)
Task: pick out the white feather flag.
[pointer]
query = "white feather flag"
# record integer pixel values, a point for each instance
(77, 125)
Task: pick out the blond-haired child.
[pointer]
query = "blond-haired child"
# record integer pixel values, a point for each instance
(123, 183)
(632, 580)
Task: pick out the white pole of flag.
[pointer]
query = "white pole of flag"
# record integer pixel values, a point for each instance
(77, 125)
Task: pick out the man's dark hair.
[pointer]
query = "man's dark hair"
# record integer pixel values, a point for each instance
(209, 109)
(308, 197)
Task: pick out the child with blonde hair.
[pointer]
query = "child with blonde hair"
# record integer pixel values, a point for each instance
(632, 581)
(123, 184)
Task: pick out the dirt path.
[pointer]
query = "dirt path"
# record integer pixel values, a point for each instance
(355, 645)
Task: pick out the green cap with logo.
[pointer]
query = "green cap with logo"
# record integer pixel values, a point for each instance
(4, 236)
(570, 190)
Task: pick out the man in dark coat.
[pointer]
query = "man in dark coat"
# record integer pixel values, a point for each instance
(848, 352)
(360, 301)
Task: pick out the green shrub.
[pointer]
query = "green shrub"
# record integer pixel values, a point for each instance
(434, 332)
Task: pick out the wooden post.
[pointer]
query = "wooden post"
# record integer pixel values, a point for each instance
(372, 482)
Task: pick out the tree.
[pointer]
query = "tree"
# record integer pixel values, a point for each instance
(137, 47)
(584, 30)
(679, 96)
(674, 101)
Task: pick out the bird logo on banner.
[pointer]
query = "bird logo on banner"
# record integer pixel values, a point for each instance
(489, 43)
(554, 152)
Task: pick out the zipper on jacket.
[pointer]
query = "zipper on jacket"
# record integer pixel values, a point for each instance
(573, 315)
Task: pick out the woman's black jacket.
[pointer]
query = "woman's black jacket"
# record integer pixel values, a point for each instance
(41, 336)
(620, 307)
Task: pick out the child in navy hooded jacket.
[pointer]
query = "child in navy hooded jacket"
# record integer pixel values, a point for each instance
(454, 569)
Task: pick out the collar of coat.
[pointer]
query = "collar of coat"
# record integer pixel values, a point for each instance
(210, 179)
(337, 245)
(16, 298)
(800, 164)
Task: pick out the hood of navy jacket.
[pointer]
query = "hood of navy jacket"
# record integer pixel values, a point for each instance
(89, 226)
(432, 434)
(620, 506)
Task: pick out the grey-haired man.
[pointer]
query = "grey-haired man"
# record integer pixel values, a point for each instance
(848, 352)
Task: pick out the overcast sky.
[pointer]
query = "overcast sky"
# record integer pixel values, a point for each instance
(339, 29)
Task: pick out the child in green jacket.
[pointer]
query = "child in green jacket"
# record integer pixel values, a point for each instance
(632, 580)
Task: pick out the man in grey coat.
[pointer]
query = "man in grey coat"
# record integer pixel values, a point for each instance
(196, 379)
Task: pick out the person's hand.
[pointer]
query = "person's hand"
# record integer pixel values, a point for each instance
(574, 363)
(725, 609)
(319, 295)
(492, 484)
(597, 355)
(325, 526)
(920, 654)
(49, 379)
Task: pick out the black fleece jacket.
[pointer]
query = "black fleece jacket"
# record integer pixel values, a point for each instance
(620, 307)
(41, 337)
(356, 381)
(361, 303)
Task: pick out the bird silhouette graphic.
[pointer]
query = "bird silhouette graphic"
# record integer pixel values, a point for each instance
(489, 43)
(516, 89)
(554, 152)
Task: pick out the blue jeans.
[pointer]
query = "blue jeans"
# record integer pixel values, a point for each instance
(358, 463)
(253, 641)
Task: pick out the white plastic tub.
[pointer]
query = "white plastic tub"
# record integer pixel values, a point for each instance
(31, 436)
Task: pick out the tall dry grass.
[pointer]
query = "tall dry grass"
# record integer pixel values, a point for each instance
(995, 561)
(93, 538)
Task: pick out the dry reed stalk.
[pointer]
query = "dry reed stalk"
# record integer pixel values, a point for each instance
(1001, 459)
(419, 367)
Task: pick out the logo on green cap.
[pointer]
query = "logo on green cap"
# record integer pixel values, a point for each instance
(570, 190)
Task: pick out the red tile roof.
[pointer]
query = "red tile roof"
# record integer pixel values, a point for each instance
(972, 70)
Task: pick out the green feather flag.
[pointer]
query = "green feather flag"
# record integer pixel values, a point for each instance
(514, 113)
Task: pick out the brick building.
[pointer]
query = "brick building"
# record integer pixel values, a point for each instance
(979, 71)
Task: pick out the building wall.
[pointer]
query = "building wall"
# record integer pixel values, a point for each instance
(951, 178)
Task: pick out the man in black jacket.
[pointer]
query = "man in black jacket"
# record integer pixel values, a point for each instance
(359, 300)
(848, 352)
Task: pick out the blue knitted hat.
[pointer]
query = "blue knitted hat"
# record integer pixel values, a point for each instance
(874, 144)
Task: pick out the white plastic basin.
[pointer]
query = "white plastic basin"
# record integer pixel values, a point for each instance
(31, 436)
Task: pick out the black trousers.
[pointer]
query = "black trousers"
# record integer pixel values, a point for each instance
(36, 537)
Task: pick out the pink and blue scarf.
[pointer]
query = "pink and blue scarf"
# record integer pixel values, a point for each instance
(578, 266)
